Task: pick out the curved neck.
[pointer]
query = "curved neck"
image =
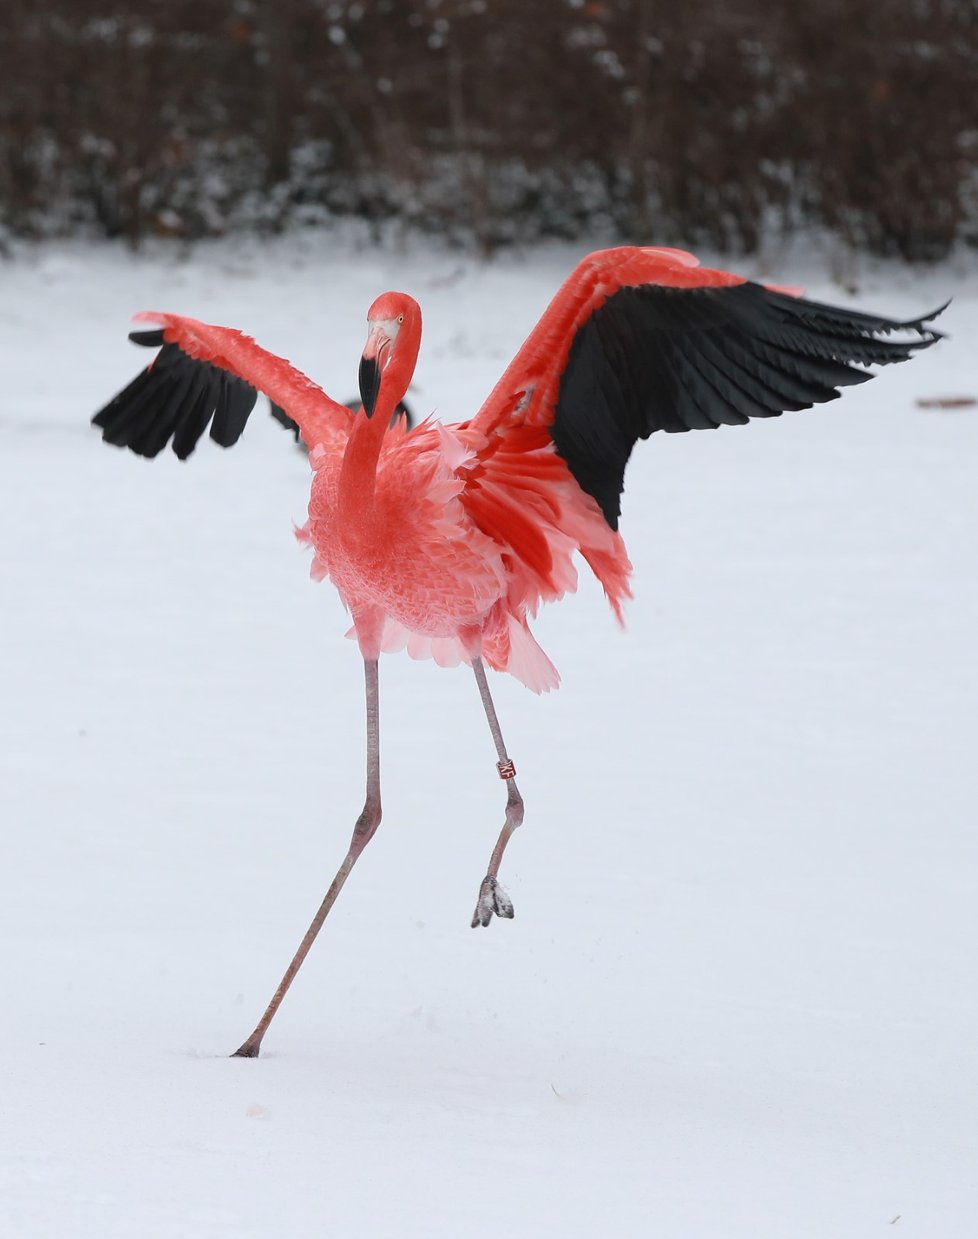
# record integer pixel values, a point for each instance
(359, 472)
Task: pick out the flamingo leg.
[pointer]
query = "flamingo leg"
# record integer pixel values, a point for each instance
(363, 832)
(493, 900)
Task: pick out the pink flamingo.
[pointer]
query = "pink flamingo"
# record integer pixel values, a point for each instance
(445, 539)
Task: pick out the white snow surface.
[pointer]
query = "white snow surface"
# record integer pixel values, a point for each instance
(738, 998)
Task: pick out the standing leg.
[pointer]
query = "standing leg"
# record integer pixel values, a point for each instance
(363, 832)
(493, 900)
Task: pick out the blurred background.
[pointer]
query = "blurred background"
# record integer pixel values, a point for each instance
(488, 122)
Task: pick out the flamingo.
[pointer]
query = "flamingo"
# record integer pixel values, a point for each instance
(446, 539)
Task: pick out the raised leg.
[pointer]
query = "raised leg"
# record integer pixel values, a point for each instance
(363, 832)
(493, 900)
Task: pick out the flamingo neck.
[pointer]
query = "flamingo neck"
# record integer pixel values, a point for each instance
(359, 472)
(358, 475)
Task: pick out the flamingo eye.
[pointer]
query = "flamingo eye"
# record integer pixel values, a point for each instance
(400, 318)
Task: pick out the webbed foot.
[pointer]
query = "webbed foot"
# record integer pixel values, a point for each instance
(493, 901)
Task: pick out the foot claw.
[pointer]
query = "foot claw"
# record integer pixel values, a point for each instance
(493, 901)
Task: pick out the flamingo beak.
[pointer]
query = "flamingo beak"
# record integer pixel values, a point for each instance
(375, 357)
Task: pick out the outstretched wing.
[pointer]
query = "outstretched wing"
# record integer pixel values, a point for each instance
(639, 340)
(205, 375)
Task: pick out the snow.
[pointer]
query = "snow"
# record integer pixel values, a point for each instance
(738, 996)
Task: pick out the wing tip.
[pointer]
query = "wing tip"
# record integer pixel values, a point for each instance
(923, 325)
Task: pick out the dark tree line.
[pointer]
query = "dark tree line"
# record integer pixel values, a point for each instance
(684, 121)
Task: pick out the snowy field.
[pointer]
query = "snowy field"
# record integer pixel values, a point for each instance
(738, 1000)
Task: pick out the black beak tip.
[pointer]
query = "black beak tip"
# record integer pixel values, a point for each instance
(369, 384)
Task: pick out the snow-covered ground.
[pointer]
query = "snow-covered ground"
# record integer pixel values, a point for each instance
(738, 1000)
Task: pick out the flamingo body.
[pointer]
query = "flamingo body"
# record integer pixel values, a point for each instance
(441, 565)
(385, 519)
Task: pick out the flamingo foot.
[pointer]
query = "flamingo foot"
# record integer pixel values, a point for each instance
(493, 901)
(250, 1049)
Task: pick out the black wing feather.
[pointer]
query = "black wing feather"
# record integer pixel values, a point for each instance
(174, 399)
(235, 400)
(163, 423)
(194, 416)
(129, 415)
(283, 419)
(658, 358)
(220, 427)
(240, 402)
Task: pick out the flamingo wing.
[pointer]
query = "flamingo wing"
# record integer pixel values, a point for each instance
(206, 375)
(639, 340)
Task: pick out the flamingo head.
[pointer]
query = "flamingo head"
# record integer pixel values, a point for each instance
(389, 356)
